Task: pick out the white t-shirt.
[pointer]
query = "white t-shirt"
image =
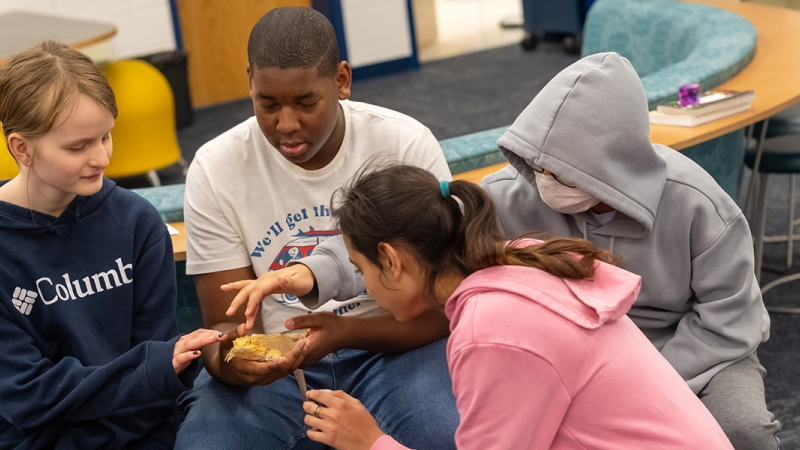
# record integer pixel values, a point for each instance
(247, 205)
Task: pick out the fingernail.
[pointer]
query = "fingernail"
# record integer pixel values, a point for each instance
(196, 352)
(289, 322)
(221, 334)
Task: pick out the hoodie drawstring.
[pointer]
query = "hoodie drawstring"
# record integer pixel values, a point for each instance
(586, 237)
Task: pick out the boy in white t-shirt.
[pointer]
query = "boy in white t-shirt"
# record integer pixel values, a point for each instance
(257, 198)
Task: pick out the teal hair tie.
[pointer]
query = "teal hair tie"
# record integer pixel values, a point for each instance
(444, 186)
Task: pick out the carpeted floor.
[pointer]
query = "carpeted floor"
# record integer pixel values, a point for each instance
(489, 89)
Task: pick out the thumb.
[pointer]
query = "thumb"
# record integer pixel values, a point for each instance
(302, 322)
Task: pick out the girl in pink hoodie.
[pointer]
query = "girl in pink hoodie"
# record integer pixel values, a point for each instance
(541, 353)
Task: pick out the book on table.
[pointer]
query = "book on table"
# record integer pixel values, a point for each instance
(712, 105)
(691, 121)
(709, 102)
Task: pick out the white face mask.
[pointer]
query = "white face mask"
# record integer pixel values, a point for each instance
(561, 198)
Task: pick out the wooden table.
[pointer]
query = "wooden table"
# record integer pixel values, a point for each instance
(774, 74)
(20, 30)
(179, 241)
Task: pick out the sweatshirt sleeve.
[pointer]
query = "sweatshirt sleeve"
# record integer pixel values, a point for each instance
(729, 320)
(336, 277)
(507, 398)
(36, 390)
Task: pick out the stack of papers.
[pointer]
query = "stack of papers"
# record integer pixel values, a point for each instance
(712, 105)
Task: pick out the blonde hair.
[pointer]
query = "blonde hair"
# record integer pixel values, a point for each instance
(36, 85)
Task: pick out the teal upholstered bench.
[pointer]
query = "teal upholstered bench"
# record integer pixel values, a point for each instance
(473, 151)
(168, 200)
(671, 43)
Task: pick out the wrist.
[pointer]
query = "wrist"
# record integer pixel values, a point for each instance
(346, 333)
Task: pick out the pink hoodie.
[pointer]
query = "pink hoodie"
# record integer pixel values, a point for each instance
(541, 362)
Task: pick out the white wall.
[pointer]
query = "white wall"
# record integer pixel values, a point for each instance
(143, 26)
(376, 31)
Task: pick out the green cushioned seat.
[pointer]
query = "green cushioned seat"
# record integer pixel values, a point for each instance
(671, 43)
(168, 200)
(473, 151)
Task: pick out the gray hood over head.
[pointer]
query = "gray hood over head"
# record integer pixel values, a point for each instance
(593, 110)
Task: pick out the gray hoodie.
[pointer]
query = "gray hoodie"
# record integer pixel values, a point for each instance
(700, 303)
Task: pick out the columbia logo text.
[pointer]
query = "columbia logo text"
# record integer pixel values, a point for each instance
(68, 289)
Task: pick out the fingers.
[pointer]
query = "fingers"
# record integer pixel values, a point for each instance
(259, 373)
(327, 397)
(295, 357)
(236, 285)
(196, 340)
(182, 360)
(313, 408)
(298, 353)
(339, 420)
(244, 287)
(315, 414)
(253, 306)
(314, 320)
(188, 346)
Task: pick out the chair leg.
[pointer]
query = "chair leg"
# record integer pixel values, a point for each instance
(757, 161)
(184, 165)
(750, 205)
(790, 243)
(748, 137)
(779, 281)
(153, 177)
(760, 222)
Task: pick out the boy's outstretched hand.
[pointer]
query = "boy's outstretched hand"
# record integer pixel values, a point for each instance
(340, 421)
(188, 346)
(296, 280)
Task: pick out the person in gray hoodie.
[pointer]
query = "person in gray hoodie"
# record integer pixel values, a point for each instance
(582, 165)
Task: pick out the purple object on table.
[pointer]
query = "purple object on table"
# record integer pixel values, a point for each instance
(687, 94)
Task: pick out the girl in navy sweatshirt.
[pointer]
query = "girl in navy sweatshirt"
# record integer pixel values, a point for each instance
(91, 356)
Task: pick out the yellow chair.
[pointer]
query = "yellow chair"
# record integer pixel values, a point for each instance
(144, 134)
(8, 167)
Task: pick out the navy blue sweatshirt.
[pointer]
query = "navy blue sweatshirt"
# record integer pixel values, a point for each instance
(87, 325)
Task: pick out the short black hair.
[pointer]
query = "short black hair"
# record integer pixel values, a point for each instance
(294, 37)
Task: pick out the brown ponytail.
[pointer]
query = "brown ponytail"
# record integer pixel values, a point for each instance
(404, 206)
